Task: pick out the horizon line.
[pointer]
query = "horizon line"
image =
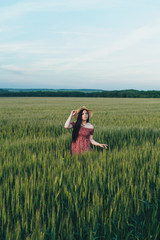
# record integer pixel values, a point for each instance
(79, 89)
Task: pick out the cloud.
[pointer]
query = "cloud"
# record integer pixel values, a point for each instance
(12, 69)
(33, 47)
(43, 56)
(45, 65)
(4, 29)
(131, 39)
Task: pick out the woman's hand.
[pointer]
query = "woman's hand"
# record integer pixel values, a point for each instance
(103, 146)
(73, 112)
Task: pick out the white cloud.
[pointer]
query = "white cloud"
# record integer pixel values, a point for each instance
(5, 29)
(33, 47)
(34, 67)
(71, 58)
(90, 52)
(133, 38)
(13, 69)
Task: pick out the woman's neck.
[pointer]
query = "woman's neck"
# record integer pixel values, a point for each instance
(83, 122)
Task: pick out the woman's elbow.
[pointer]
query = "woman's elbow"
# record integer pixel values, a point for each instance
(65, 126)
(91, 141)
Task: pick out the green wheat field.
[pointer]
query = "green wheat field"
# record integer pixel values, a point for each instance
(46, 193)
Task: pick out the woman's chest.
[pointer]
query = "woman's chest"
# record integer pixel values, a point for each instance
(84, 132)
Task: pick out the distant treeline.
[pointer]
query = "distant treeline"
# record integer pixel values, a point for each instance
(105, 94)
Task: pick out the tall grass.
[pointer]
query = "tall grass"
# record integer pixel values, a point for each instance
(46, 193)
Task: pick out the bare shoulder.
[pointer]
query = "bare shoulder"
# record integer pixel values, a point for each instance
(89, 125)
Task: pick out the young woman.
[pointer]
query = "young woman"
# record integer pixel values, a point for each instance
(82, 135)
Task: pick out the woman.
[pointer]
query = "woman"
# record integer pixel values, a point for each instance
(82, 135)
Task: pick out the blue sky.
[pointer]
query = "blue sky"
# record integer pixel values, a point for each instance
(98, 44)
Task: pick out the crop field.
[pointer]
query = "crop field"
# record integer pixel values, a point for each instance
(48, 194)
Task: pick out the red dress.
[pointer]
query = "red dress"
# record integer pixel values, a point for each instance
(82, 143)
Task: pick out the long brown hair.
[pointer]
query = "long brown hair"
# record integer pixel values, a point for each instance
(77, 126)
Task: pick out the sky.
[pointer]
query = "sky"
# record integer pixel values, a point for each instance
(95, 44)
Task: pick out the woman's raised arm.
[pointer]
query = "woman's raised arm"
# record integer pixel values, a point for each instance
(67, 123)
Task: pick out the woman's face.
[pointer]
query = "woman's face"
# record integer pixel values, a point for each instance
(84, 115)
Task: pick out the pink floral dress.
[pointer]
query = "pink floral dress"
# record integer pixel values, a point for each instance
(82, 143)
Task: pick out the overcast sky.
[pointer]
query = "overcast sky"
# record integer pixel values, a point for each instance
(98, 44)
